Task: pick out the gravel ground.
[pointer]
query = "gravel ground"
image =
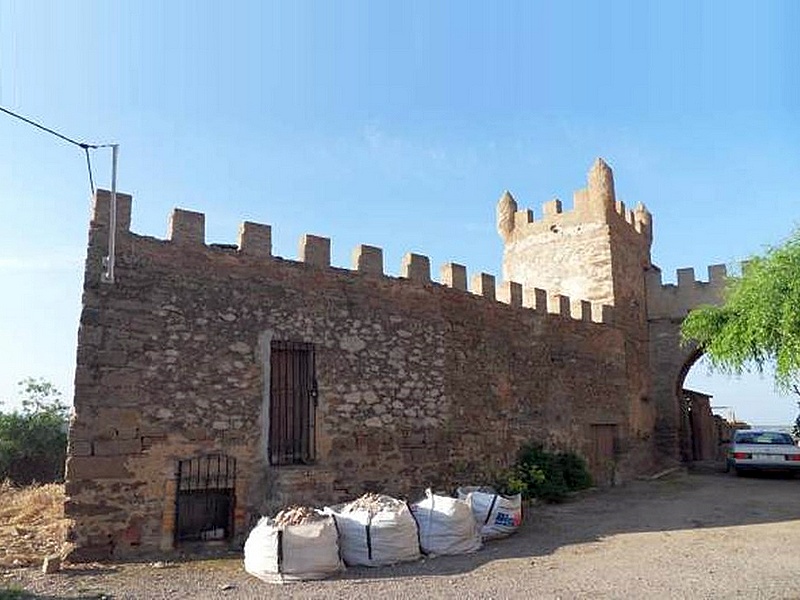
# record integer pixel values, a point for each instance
(696, 535)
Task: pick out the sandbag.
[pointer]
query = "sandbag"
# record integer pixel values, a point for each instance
(446, 525)
(376, 530)
(497, 515)
(283, 553)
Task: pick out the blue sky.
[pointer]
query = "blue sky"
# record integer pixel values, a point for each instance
(393, 124)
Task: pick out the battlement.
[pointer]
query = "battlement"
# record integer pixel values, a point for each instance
(674, 301)
(596, 203)
(186, 229)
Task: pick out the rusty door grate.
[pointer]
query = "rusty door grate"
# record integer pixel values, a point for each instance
(205, 498)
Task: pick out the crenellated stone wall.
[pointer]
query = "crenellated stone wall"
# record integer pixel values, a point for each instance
(419, 383)
(416, 383)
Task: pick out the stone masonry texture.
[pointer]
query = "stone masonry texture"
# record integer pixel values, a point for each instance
(419, 384)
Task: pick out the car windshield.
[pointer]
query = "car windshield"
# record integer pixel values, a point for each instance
(763, 437)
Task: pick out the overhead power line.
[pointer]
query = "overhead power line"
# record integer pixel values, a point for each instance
(83, 145)
(109, 261)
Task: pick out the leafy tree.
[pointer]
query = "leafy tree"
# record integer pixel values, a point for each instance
(33, 441)
(758, 324)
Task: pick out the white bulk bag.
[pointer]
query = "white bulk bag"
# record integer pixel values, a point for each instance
(446, 525)
(292, 552)
(497, 515)
(376, 538)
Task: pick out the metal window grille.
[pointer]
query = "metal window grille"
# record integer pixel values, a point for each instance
(205, 498)
(293, 401)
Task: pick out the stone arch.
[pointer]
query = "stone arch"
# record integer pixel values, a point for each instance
(670, 359)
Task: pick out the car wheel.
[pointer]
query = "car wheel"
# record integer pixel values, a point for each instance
(739, 472)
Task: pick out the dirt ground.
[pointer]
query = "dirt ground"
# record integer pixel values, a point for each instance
(688, 535)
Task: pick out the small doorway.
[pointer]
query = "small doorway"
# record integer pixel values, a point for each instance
(205, 498)
(603, 459)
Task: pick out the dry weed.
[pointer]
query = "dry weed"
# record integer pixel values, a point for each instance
(32, 523)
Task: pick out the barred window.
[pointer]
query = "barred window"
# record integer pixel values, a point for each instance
(293, 403)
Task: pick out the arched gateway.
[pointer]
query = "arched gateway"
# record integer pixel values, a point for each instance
(670, 361)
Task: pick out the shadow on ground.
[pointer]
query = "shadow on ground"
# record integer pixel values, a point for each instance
(705, 497)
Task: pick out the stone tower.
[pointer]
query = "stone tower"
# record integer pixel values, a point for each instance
(598, 251)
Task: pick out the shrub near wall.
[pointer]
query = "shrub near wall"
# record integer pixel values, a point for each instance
(545, 475)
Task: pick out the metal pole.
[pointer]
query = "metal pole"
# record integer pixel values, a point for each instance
(112, 234)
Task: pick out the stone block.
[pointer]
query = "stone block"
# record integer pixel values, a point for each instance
(97, 467)
(187, 227)
(368, 259)
(91, 553)
(148, 441)
(586, 310)
(536, 299)
(80, 448)
(454, 275)
(117, 447)
(101, 209)
(523, 217)
(483, 284)
(552, 208)
(416, 267)
(717, 273)
(510, 292)
(255, 239)
(563, 305)
(315, 250)
(686, 277)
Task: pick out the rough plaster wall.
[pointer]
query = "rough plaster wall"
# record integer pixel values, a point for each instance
(418, 385)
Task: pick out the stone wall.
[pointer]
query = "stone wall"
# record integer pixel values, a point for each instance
(598, 251)
(419, 383)
(416, 383)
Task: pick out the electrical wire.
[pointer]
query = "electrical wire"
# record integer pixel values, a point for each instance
(47, 129)
(83, 145)
(89, 167)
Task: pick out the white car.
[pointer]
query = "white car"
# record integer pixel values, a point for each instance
(761, 450)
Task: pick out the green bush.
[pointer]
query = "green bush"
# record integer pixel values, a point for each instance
(545, 475)
(33, 441)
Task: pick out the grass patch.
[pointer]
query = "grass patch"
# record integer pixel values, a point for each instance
(14, 592)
